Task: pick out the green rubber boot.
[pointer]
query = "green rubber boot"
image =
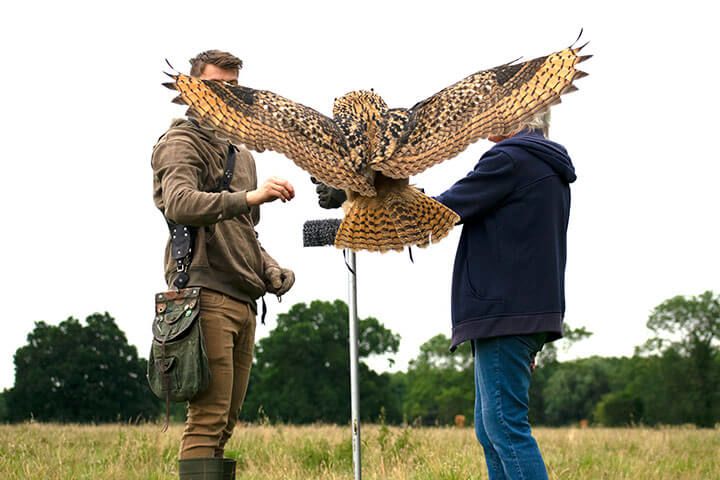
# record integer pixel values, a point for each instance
(202, 469)
(228, 469)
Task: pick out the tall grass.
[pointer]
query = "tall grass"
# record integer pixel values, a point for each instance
(50, 451)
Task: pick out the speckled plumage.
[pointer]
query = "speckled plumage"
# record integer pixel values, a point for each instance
(371, 150)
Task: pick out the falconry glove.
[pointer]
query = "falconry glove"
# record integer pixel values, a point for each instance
(329, 197)
(279, 280)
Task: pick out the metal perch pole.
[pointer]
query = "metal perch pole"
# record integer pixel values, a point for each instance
(322, 232)
(354, 385)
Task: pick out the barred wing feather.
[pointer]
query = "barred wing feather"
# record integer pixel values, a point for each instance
(486, 103)
(262, 120)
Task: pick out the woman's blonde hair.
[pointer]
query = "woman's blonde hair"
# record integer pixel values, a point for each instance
(539, 121)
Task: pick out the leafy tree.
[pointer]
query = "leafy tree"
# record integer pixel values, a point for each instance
(548, 355)
(440, 384)
(75, 373)
(435, 354)
(540, 377)
(688, 325)
(3, 406)
(688, 328)
(301, 371)
(668, 393)
(574, 389)
(618, 409)
(547, 363)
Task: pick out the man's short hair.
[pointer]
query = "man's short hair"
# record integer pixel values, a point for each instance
(539, 121)
(220, 59)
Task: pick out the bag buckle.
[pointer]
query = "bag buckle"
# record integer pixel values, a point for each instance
(182, 265)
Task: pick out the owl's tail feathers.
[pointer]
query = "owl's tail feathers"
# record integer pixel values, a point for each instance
(393, 221)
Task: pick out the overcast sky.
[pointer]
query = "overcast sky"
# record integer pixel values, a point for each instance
(82, 106)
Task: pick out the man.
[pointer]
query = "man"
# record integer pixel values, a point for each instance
(228, 263)
(508, 283)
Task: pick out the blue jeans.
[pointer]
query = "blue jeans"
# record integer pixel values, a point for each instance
(502, 382)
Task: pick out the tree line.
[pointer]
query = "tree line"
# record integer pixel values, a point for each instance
(89, 373)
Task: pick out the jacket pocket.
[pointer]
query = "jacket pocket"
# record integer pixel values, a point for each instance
(476, 287)
(471, 307)
(475, 302)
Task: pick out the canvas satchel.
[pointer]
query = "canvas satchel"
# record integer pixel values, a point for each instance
(178, 364)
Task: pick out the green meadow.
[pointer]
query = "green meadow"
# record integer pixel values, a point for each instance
(265, 452)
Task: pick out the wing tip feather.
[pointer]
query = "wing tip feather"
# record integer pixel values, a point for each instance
(576, 50)
(578, 37)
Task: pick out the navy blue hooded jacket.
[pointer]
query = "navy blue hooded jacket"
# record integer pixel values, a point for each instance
(509, 269)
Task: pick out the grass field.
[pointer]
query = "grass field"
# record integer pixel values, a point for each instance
(47, 451)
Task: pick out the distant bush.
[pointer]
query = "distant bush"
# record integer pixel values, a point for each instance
(618, 409)
(3, 407)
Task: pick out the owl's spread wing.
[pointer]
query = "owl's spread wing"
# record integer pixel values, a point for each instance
(489, 102)
(262, 120)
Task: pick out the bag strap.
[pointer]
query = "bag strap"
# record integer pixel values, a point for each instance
(182, 237)
(229, 168)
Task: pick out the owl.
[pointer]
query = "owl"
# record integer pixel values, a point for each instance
(371, 150)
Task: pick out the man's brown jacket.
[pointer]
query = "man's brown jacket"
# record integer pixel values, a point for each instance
(188, 164)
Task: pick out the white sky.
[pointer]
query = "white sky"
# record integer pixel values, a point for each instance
(82, 106)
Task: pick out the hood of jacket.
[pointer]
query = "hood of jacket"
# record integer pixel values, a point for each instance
(553, 154)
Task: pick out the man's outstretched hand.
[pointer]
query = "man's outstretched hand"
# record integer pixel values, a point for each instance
(271, 190)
